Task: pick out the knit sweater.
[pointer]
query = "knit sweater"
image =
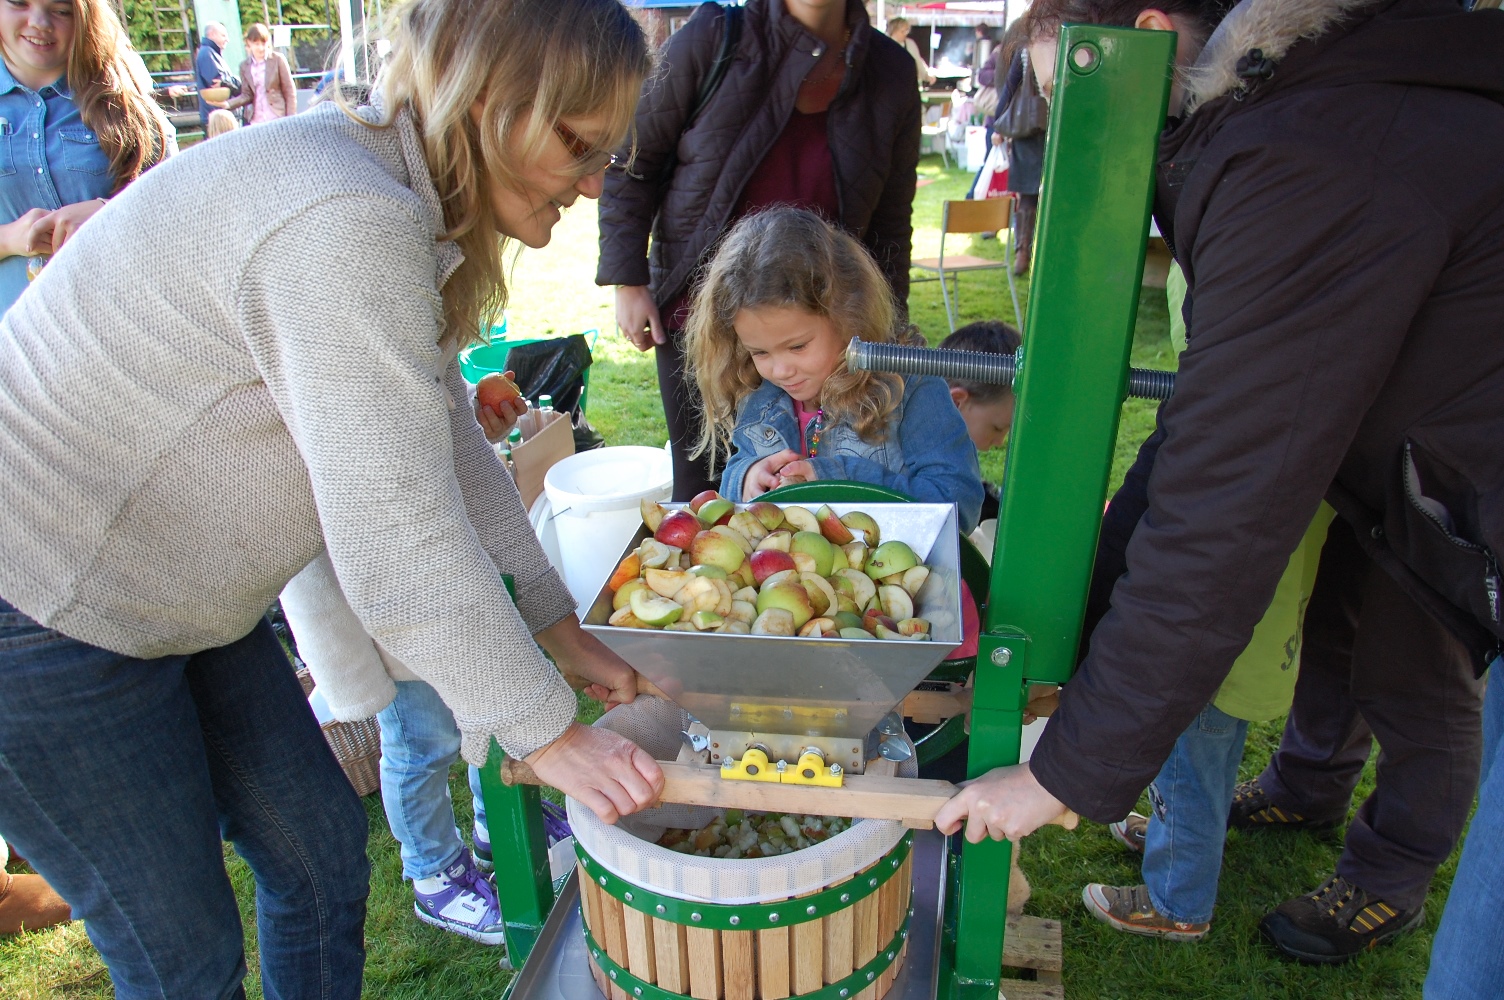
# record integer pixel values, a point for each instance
(225, 373)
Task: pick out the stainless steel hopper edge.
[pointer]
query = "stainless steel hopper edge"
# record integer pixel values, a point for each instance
(834, 688)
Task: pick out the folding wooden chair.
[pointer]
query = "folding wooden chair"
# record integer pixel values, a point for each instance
(990, 215)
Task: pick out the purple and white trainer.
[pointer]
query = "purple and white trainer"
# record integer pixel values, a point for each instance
(461, 899)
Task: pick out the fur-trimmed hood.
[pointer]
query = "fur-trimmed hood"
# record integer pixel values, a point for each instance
(1427, 43)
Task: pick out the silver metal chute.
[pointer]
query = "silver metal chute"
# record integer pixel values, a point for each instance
(821, 691)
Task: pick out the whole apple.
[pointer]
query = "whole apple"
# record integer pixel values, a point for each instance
(678, 529)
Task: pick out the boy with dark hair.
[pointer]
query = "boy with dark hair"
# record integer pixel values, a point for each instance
(987, 409)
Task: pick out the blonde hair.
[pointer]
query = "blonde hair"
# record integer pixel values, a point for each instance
(789, 258)
(528, 63)
(895, 25)
(220, 122)
(258, 32)
(112, 91)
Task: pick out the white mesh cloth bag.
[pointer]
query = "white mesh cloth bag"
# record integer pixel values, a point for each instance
(628, 851)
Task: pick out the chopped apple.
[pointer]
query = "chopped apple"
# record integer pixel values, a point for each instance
(862, 587)
(800, 519)
(838, 559)
(896, 602)
(653, 513)
(748, 594)
(790, 596)
(713, 572)
(623, 593)
(628, 569)
(778, 540)
(777, 578)
(845, 619)
(624, 618)
(884, 632)
(734, 627)
(736, 536)
(913, 579)
(748, 524)
(774, 621)
(716, 511)
(856, 555)
(814, 545)
(913, 626)
(743, 611)
(816, 627)
(854, 633)
(666, 582)
(710, 548)
(702, 498)
(889, 558)
(831, 527)
(770, 514)
(680, 626)
(804, 562)
(653, 609)
(862, 527)
(706, 620)
(875, 619)
(722, 597)
(846, 604)
(821, 595)
(653, 554)
(699, 594)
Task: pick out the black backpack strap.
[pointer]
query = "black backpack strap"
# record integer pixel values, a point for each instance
(731, 34)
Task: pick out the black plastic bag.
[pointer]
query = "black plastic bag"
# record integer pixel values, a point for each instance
(557, 368)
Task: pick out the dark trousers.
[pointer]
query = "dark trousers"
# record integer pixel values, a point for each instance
(681, 410)
(1374, 665)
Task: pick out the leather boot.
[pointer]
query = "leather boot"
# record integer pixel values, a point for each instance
(27, 902)
(1023, 247)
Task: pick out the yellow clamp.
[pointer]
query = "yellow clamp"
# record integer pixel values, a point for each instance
(754, 766)
(811, 770)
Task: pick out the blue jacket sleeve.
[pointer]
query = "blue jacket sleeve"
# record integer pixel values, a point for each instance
(940, 462)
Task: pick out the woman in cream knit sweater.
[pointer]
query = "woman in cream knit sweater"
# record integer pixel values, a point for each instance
(178, 439)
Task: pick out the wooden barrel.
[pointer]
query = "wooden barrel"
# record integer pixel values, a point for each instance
(846, 941)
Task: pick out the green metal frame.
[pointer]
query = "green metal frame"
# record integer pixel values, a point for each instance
(1111, 89)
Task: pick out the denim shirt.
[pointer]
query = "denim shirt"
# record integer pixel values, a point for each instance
(48, 158)
(926, 452)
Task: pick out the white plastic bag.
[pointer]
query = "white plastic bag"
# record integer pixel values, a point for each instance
(996, 162)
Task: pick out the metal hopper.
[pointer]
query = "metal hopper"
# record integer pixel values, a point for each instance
(785, 693)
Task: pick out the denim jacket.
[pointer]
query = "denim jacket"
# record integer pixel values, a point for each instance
(926, 452)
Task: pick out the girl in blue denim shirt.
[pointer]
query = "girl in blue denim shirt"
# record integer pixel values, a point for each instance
(77, 124)
(766, 338)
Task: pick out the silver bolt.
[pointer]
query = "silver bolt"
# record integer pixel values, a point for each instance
(835, 770)
(628, 897)
(613, 973)
(661, 909)
(845, 897)
(871, 976)
(1001, 656)
(890, 956)
(845, 993)
(637, 991)
(895, 862)
(872, 883)
(772, 918)
(602, 880)
(810, 909)
(695, 917)
(735, 920)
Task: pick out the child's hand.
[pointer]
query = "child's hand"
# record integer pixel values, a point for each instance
(797, 472)
(764, 474)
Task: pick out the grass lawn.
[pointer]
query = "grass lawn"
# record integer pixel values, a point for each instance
(554, 292)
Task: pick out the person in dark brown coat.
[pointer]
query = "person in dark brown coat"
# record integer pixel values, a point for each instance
(1331, 188)
(817, 109)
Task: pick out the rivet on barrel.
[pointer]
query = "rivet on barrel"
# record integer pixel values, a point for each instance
(772, 918)
(871, 976)
(613, 973)
(845, 897)
(627, 896)
(637, 991)
(661, 909)
(810, 909)
(695, 917)
(895, 862)
(602, 880)
(845, 993)
(870, 882)
(735, 920)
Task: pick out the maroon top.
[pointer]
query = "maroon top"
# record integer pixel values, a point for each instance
(796, 171)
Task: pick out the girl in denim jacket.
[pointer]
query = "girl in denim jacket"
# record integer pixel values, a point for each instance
(766, 338)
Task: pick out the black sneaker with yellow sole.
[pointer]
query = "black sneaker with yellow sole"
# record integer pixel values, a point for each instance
(1335, 923)
(1252, 810)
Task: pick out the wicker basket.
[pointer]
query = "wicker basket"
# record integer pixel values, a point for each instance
(356, 745)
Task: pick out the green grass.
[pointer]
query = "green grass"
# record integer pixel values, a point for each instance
(554, 292)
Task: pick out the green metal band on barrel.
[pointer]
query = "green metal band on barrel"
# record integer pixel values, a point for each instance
(841, 989)
(749, 916)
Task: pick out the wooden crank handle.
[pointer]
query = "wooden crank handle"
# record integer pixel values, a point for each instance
(517, 772)
(1067, 819)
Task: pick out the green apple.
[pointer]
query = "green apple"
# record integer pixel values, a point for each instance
(845, 619)
(913, 579)
(624, 618)
(838, 559)
(713, 572)
(748, 524)
(862, 527)
(654, 554)
(623, 593)
(790, 596)
(717, 511)
(854, 633)
(699, 594)
(706, 620)
(821, 594)
(777, 578)
(856, 555)
(889, 558)
(858, 586)
(774, 621)
(770, 514)
(738, 537)
(778, 540)
(814, 545)
(800, 519)
(896, 602)
(710, 548)
(666, 582)
(831, 527)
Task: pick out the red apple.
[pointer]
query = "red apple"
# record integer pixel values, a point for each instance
(766, 562)
(701, 499)
(678, 529)
(717, 510)
(831, 527)
(495, 389)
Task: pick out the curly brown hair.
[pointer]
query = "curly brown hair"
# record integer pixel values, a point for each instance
(789, 258)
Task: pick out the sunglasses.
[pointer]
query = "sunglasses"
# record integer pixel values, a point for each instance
(589, 159)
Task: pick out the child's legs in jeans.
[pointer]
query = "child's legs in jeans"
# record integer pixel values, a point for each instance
(1190, 799)
(419, 741)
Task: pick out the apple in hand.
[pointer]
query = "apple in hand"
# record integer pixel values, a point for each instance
(495, 390)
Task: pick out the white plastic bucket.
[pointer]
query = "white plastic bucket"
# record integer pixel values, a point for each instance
(596, 499)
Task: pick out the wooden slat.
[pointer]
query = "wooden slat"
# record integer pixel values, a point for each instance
(704, 963)
(739, 964)
(1021, 989)
(672, 952)
(614, 928)
(808, 950)
(641, 960)
(865, 917)
(889, 898)
(840, 943)
(773, 964)
(590, 913)
(1032, 943)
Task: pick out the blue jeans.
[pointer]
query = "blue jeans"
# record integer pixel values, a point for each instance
(118, 779)
(1467, 956)
(1191, 796)
(419, 741)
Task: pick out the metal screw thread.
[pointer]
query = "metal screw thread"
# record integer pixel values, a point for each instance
(978, 366)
